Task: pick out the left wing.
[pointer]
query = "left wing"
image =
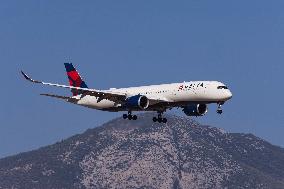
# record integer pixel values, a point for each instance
(58, 96)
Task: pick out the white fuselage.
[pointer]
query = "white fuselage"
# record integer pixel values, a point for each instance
(176, 94)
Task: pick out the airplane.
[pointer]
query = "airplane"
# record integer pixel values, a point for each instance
(193, 96)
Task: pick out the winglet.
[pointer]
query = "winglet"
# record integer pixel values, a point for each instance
(28, 78)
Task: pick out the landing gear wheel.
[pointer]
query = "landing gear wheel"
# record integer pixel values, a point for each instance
(219, 111)
(155, 119)
(160, 118)
(130, 117)
(125, 116)
(134, 117)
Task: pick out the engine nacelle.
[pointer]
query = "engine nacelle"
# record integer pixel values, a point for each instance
(138, 101)
(195, 110)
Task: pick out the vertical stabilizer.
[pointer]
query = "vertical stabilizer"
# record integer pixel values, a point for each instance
(75, 79)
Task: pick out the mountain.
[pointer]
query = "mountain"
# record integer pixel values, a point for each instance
(142, 154)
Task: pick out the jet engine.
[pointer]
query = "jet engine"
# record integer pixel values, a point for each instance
(195, 110)
(138, 101)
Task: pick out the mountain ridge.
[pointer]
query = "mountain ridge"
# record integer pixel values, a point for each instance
(142, 154)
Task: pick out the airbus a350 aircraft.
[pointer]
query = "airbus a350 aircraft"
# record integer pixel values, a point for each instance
(193, 97)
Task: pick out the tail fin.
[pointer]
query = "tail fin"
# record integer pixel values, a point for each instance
(75, 79)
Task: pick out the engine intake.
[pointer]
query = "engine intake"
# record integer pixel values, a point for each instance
(137, 101)
(195, 110)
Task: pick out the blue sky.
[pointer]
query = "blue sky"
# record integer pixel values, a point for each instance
(131, 43)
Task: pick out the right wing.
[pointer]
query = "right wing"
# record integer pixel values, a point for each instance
(101, 95)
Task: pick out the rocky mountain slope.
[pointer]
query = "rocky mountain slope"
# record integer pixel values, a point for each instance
(142, 154)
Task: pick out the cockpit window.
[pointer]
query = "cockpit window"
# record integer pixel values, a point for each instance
(222, 87)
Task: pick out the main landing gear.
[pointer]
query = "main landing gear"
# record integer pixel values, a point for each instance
(219, 109)
(160, 118)
(129, 116)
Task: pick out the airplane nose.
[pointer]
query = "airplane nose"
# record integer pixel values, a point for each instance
(229, 94)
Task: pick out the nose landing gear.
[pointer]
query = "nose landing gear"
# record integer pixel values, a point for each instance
(219, 109)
